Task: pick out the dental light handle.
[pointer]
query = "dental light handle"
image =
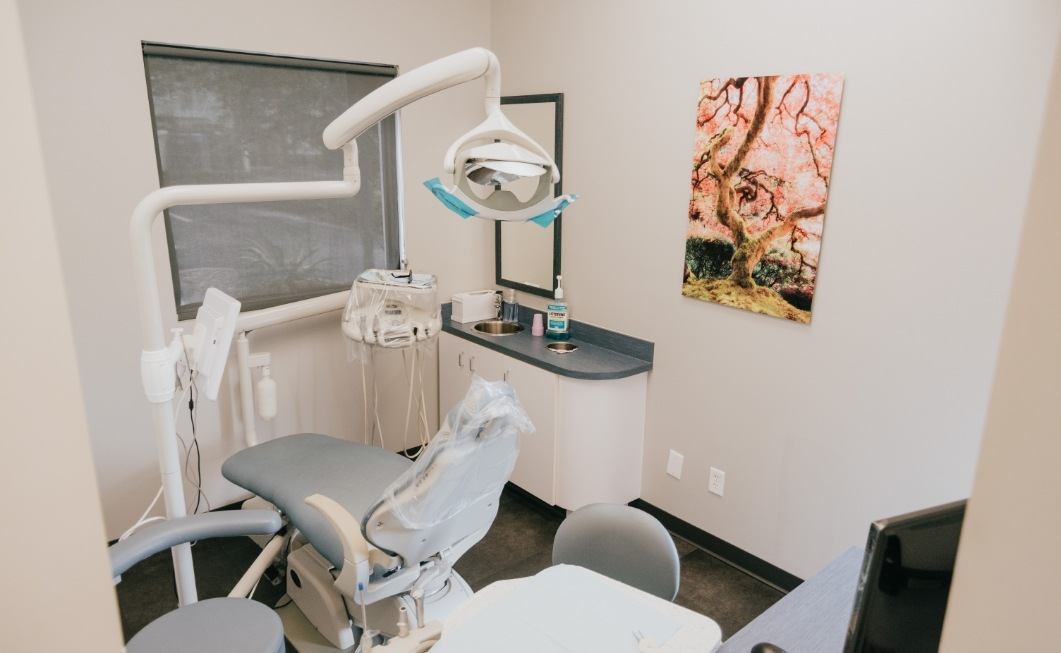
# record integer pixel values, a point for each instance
(409, 87)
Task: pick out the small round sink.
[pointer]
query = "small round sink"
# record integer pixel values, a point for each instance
(561, 347)
(498, 328)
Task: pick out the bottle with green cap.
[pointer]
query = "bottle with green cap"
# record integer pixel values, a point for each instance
(557, 320)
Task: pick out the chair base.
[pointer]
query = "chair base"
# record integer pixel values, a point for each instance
(338, 619)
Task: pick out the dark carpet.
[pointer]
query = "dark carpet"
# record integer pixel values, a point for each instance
(519, 544)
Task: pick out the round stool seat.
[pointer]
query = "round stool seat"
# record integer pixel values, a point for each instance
(225, 625)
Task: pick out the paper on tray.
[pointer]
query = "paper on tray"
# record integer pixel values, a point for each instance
(563, 609)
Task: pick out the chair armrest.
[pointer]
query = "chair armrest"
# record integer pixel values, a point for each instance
(359, 556)
(160, 536)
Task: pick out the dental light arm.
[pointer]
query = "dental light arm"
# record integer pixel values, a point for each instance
(414, 85)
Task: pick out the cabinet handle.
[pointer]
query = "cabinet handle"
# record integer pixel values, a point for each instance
(506, 376)
(460, 359)
(471, 364)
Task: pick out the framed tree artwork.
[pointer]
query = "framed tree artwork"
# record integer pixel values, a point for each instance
(760, 181)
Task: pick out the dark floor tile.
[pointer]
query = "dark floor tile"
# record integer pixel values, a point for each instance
(722, 592)
(520, 532)
(685, 547)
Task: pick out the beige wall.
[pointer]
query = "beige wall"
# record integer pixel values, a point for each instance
(88, 80)
(59, 592)
(1004, 596)
(877, 407)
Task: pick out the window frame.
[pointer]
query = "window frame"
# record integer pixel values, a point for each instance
(390, 140)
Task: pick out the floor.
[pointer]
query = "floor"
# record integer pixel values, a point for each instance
(518, 544)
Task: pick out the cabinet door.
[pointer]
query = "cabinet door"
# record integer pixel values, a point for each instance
(535, 469)
(453, 375)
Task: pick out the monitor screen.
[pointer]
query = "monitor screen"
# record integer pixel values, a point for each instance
(904, 582)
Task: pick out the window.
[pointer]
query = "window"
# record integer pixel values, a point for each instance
(225, 117)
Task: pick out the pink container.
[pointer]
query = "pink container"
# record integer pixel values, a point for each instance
(537, 326)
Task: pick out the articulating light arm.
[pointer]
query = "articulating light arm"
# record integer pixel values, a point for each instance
(418, 83)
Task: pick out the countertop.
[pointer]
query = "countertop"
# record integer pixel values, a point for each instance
(601, 354)
(812, 617)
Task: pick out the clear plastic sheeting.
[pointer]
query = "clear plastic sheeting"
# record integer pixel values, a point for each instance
(393, 309)
(471, 457)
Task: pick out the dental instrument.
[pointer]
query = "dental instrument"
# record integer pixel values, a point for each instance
(160, 356)
(392, 309)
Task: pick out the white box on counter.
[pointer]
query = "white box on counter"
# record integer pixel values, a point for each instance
(474, 306)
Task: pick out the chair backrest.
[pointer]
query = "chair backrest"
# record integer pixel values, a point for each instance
(623, 543)
(449, 497)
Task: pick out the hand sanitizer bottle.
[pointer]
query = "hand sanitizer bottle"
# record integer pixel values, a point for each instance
(557, 322)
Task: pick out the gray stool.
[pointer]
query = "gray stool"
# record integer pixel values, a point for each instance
(213, 626)
(623, 543)
(225, 625)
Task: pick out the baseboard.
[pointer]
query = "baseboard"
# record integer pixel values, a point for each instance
(547, 509)
(722, 549)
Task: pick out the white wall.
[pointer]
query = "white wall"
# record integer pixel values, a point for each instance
(88, 82)
(55, 562)
(1008, 570)
(877, 407)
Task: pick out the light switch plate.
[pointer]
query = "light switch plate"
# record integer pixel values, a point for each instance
(716, 481)
(674, 464)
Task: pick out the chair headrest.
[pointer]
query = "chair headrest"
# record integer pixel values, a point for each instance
(468, 461)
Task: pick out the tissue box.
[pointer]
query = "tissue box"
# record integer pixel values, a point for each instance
(474, 306)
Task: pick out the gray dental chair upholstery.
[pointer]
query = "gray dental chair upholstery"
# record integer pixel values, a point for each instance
(623, 543)
(222, 625)
(403, 512)
(286, 470)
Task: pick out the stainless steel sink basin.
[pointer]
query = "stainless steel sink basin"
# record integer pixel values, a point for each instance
(561, 347)
(498, 328)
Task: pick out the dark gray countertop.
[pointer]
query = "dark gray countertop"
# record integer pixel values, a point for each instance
(812, 618)
(601, 354)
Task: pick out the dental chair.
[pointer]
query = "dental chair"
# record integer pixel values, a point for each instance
(373, 536)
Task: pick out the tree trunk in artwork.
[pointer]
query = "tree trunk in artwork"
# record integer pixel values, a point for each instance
(744, 260)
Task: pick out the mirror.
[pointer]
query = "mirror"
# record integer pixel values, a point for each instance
(526, 256)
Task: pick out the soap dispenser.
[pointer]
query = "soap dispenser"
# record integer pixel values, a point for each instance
(557, 324)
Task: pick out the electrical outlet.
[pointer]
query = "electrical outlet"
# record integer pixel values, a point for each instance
(716, 481)
(674, 464)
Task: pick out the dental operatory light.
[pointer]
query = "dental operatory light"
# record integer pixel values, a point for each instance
(488, 169)
(492, 154)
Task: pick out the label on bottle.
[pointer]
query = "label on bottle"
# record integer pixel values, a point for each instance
(556, 318)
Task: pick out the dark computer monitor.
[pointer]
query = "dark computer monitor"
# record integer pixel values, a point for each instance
(904, 583)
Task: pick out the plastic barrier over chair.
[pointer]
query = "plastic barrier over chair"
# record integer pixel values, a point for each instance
(471, 456)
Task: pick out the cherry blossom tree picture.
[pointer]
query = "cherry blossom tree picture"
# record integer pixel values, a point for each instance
(760, 181)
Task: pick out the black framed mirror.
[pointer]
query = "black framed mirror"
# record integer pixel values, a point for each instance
(526, 256)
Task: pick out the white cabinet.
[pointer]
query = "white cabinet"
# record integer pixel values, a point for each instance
(536, 389)
(588, 436)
